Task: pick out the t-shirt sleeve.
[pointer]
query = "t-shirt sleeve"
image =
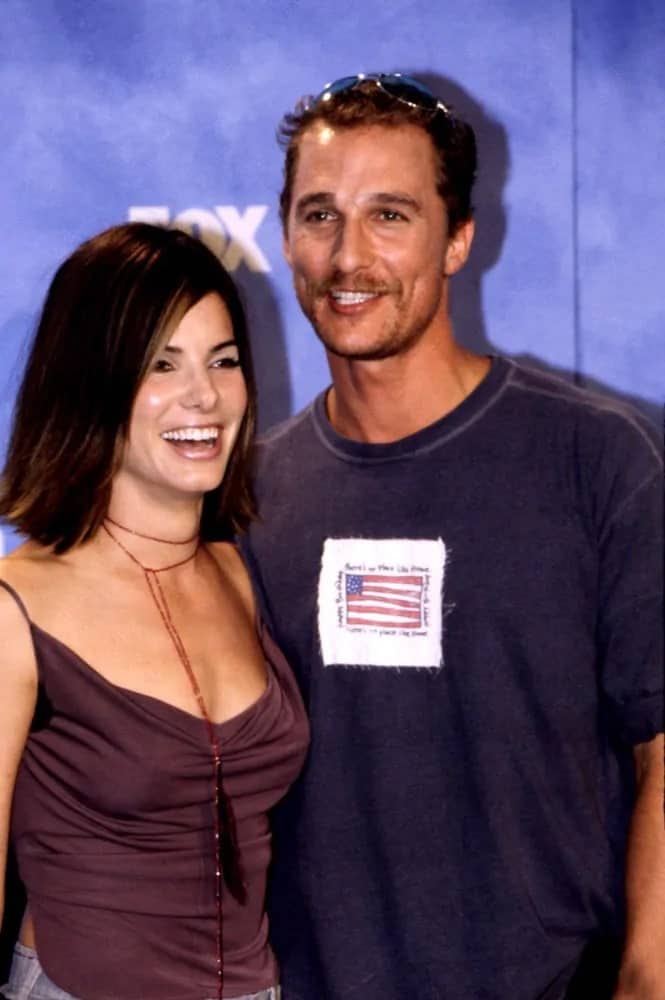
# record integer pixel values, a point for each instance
(631, 616)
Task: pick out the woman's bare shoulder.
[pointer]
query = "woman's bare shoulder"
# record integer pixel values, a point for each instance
(29, 569)
(17, 570)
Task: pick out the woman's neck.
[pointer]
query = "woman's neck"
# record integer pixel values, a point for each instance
(155, 535)
(166, 522)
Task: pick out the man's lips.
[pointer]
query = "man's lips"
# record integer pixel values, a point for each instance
(349, 298)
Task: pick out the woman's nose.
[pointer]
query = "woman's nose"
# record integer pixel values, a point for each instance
(201, 391)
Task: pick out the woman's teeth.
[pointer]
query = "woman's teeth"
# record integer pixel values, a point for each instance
(207, 434)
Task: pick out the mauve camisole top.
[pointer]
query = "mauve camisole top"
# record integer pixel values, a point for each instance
(113, 828)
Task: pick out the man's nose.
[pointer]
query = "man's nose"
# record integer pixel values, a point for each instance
(353, 247)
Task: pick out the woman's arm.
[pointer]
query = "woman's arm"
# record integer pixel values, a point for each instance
(18, 694)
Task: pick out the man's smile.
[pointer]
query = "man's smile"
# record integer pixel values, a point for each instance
(352, 298)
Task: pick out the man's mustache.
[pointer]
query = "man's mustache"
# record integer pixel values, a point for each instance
(364, 285)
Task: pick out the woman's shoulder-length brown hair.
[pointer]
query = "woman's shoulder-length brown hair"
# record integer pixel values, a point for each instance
(110, 306)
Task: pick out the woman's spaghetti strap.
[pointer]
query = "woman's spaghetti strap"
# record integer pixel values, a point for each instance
(18, 600)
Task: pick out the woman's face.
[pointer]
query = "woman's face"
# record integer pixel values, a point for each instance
(188, 410)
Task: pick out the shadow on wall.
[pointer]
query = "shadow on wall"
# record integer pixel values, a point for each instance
(268, 342)
(492, 226)
(490, 212)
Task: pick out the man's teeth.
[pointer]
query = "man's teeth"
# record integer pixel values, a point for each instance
(352, 298)
(208, 434)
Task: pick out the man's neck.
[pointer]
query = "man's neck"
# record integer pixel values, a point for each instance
(386, 400)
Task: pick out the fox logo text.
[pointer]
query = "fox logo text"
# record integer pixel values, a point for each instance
(227, 232)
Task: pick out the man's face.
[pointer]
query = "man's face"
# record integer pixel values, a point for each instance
(366, 237)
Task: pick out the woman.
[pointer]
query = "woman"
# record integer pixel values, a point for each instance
(146, 725)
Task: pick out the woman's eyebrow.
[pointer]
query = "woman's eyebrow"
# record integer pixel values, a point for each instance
(172, 349)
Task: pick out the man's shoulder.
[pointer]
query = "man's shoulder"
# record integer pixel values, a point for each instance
(283, 434)
(284, 453)
(597, 418)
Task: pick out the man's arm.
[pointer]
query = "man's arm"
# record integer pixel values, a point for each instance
(642, 975)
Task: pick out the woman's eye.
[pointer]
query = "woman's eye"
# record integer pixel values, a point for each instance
(228, 362)
(162, 365)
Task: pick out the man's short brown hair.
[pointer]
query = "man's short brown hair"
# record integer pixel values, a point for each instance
(365, 104)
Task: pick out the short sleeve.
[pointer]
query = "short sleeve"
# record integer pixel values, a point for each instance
(631, 615)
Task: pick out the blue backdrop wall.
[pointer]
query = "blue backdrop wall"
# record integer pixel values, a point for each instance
(167, 109)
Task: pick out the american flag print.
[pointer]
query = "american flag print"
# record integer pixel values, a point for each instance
(384, 600)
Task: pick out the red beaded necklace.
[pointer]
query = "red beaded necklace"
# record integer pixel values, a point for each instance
(226, 860)
(150, 538)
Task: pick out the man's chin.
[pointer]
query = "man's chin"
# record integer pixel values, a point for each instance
(359, 352)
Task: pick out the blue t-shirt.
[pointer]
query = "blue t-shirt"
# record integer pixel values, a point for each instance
(475, 617)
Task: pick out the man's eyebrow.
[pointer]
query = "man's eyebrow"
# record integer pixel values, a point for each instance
(172, 349)
(315, 198)
(396, 198)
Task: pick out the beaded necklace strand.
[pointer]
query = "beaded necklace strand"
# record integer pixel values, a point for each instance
(226, 861)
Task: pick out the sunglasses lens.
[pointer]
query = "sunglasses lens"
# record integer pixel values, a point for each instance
(403, 88)
(406, 88)
(337, 86)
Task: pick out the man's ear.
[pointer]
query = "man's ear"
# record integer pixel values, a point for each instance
(459, 245)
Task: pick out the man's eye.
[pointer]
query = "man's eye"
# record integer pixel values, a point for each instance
(319, 215)
(390, 215)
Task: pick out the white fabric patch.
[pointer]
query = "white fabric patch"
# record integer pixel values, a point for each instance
(380, 602)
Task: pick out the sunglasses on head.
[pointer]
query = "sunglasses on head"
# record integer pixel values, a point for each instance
(405, 89)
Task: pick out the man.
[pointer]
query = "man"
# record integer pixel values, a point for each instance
(462, 560)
